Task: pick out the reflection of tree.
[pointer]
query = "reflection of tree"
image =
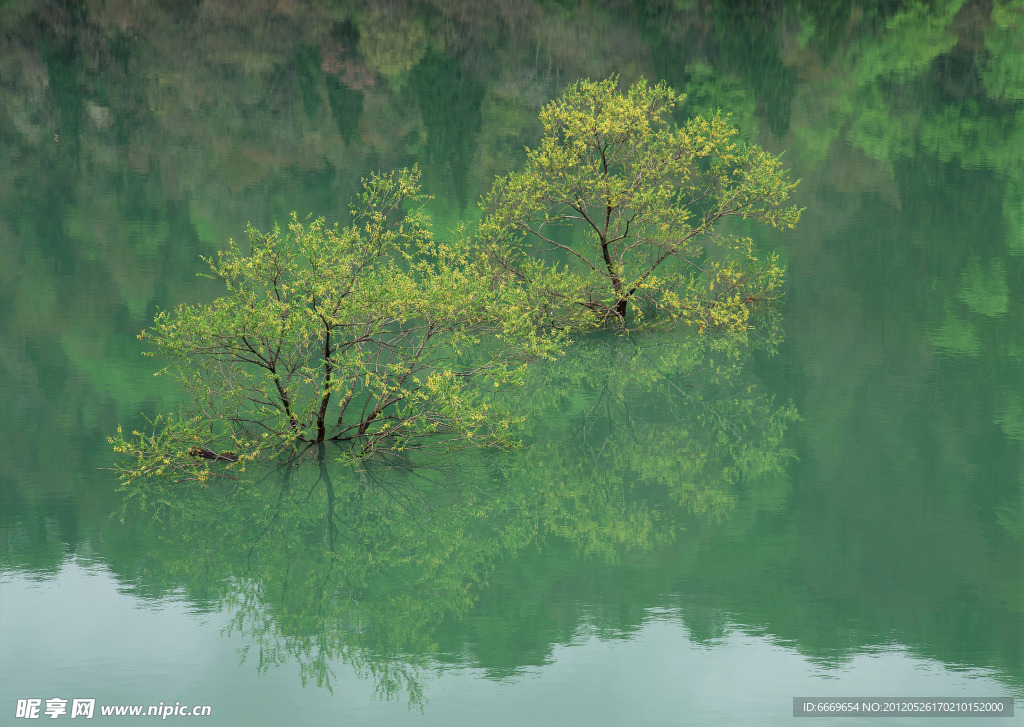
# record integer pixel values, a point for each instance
(321, 566)
(449, 102)
(373, 568)
(643, 448)
(658, 419)
(1003, 70)
(178, 143)
(392, 45)
(744, 33)
(709, 91)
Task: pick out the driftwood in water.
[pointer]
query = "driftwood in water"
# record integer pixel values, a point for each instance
(210, 454)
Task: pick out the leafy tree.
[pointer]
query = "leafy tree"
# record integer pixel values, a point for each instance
(643, 197)
(382, 569)
(372, 335)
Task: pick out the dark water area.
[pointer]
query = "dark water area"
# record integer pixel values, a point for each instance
(694, 532)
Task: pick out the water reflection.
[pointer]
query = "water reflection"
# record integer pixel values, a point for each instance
(136, 135)
(377, 567)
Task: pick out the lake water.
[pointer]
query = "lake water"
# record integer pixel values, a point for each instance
(832, 506)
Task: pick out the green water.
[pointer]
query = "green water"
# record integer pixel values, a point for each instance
(695, 532)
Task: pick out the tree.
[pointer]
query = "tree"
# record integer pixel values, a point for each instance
(372, 336)
(382, 569)
(641, 197)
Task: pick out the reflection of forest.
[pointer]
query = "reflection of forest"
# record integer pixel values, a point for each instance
(135, 134)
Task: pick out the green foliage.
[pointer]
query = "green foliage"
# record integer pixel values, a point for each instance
(641, 198)
(955, 335)
(914, 37)
(1002, 70)
(392, 46)
(322, 564)
(985, 291)
(650, 415)
(709, 89)
(373, 336)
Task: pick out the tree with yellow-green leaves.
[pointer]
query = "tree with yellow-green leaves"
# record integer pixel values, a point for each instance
(619, 210)
(374, 336)
(381, 339)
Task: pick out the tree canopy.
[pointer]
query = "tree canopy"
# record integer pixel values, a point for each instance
(630, 203)
(372, 335)
(379, 338)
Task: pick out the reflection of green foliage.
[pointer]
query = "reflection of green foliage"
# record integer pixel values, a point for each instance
(1010, 417)
(647, 447)
(322, 567)
(914, 37)
(710, 91)
(370, 568)
(1013, 216)
(984, 290)
(347, 108)
(392, 45)
(138, 242)
(955, 335)
(642, 415)
(975, 138)
(880, 136)
(745, 32)
(450, 106)
(307, 69)
(1003, 69)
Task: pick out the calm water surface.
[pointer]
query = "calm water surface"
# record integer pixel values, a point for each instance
(831, 506)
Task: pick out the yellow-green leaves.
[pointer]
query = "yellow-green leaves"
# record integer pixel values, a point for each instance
(617, 209)
(373, 336)
(378, 337)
